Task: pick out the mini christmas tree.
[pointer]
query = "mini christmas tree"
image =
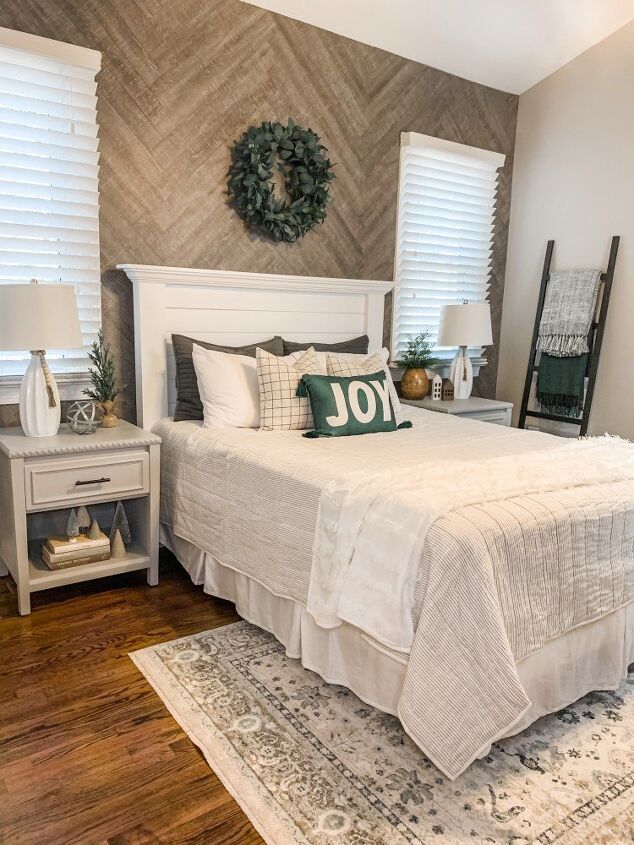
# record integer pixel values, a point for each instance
(72, 526)
(117, 549)
(120, 523)
(95, 531)
(83, 518)
(102, 374)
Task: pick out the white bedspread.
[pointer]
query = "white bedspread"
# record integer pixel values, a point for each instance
(251, 499)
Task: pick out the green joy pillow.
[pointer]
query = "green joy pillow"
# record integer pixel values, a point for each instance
(345, 405)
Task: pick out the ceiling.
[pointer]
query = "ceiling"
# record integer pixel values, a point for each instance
(507, 44)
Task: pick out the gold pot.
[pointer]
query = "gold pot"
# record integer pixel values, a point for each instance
(109, 420)
(415, 383)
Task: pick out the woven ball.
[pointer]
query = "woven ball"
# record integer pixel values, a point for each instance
(82, 417)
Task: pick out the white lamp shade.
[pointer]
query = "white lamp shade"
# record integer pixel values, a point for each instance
(39, 316)
(467, 324)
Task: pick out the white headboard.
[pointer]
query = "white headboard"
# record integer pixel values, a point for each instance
(233, 309)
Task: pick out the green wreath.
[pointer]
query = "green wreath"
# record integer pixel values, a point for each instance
(305, 169)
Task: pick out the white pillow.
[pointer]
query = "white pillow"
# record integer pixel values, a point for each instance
(228, 387)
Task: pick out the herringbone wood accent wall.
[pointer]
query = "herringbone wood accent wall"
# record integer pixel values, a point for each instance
(182, 78)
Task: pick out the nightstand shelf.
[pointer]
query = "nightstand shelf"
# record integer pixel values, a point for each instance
(43, 578)
(42, 478)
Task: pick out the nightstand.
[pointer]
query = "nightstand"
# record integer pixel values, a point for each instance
(487, 410)
(41, 478)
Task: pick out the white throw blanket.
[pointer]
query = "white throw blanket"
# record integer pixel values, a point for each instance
(371, 527)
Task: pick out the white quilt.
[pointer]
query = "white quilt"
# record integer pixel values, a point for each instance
(513, 570)
(371, 527)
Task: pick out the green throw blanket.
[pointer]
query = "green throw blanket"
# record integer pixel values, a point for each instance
(560, 384)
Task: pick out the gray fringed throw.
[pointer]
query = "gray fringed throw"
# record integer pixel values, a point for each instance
(568, 311)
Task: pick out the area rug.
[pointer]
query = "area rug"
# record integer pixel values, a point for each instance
(311, 764)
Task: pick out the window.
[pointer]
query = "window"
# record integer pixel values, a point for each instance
(49, 226)
(446, 213)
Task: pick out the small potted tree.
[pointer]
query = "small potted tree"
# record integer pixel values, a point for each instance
(104, 384)
(416, 358)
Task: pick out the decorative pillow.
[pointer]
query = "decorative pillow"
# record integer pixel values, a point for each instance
(188, 404)
(228, 387)
(358, 345)
(280, 407)
(343, 366)
(344, 406)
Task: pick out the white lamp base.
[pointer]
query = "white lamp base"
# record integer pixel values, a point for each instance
(37, 418)
(461, 374)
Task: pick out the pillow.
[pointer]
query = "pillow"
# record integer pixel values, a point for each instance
(228, 387)
(343, 406)
(355, 344)
(280, 407)
(343, 366)
(188, 404)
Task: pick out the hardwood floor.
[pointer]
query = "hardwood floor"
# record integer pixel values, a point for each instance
(88, 753)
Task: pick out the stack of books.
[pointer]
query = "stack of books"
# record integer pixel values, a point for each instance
(61, 553)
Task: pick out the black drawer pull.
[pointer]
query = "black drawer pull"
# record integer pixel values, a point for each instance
(92, 481)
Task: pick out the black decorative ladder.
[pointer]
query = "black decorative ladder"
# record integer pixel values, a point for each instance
(595, 339)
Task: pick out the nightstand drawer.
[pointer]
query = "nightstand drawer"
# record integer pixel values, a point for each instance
(66, 480)
(498, 417)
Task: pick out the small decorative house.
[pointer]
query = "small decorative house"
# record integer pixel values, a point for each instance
(435, 387)
(447, 389)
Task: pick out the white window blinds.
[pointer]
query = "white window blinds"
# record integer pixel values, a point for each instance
(49, 226)
(446, 213)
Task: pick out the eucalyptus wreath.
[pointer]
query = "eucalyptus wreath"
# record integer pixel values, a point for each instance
(306, 172)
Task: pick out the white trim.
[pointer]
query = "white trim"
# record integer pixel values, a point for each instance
(154, 274)
(232, 308)
(70, 386)
(451, 148)
(50, 49)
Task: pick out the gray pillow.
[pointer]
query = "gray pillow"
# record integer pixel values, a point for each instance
(188, 404)
(354, 346)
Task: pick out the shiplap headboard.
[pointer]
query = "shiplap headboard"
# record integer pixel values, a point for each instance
(233, 309)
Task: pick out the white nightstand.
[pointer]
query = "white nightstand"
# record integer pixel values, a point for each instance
(487, 410)
(42, 477)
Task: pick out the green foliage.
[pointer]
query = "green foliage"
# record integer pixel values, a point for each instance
(305, 168)
(418, 353)
(102, 376)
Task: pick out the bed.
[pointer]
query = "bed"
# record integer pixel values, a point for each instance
(539, 608)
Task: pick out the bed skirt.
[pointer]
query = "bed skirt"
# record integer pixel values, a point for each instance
(590, 657)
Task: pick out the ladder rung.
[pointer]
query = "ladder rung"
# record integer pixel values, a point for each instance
(553, 417)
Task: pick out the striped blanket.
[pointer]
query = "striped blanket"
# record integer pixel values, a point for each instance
(370, 537)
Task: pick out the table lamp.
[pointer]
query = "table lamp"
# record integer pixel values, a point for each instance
(463, 325)
(39, 317)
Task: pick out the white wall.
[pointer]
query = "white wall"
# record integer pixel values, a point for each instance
(573, 181)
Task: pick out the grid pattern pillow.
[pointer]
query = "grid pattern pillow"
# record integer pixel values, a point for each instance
(280, 408)
(336, 366)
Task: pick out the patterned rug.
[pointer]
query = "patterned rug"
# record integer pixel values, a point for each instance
(311, 764)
